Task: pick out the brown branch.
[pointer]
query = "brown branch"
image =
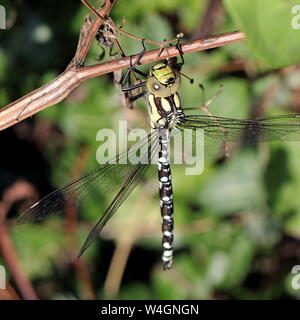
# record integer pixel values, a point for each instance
(88, 32)
(112, 25)
(59, 88)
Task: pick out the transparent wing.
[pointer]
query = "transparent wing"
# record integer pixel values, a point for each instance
(281, 128)
(131, 182)
(104, 179)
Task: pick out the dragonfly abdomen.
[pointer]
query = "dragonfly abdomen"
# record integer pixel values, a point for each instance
(166, 199)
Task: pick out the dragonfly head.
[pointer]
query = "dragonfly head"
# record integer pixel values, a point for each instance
(163, 81)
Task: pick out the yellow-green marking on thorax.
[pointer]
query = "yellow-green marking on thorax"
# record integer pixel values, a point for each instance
(163, 81)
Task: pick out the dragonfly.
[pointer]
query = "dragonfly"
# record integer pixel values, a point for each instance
(160, 87)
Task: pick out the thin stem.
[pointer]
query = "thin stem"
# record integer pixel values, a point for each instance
(92, 31)
(59, 88)
(113, 26)
(19, 190)
(125, 240)
(83, 276)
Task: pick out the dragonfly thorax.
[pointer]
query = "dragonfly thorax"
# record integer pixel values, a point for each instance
(163, 81)
(164, 112)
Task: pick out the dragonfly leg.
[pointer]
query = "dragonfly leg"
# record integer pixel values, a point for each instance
(204, 105)
(127, 78)
(177, 65)
(178, 46)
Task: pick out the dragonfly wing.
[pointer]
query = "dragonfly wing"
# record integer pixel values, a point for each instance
(104, 179)
(280, 128)
(131, 182)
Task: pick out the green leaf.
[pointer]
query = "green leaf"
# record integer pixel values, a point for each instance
(270, 27)
(237, 186)
(239, 261)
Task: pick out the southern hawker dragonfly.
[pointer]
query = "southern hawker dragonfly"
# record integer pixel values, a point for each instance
(161, 89)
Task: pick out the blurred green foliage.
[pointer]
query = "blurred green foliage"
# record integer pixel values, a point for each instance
(237, 224)
(269, 28)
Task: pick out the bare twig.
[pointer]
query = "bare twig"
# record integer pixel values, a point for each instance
(112, 25)
(88, 33)
(19, 190)
(83, 277)
(59, 88)
(9, 293)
